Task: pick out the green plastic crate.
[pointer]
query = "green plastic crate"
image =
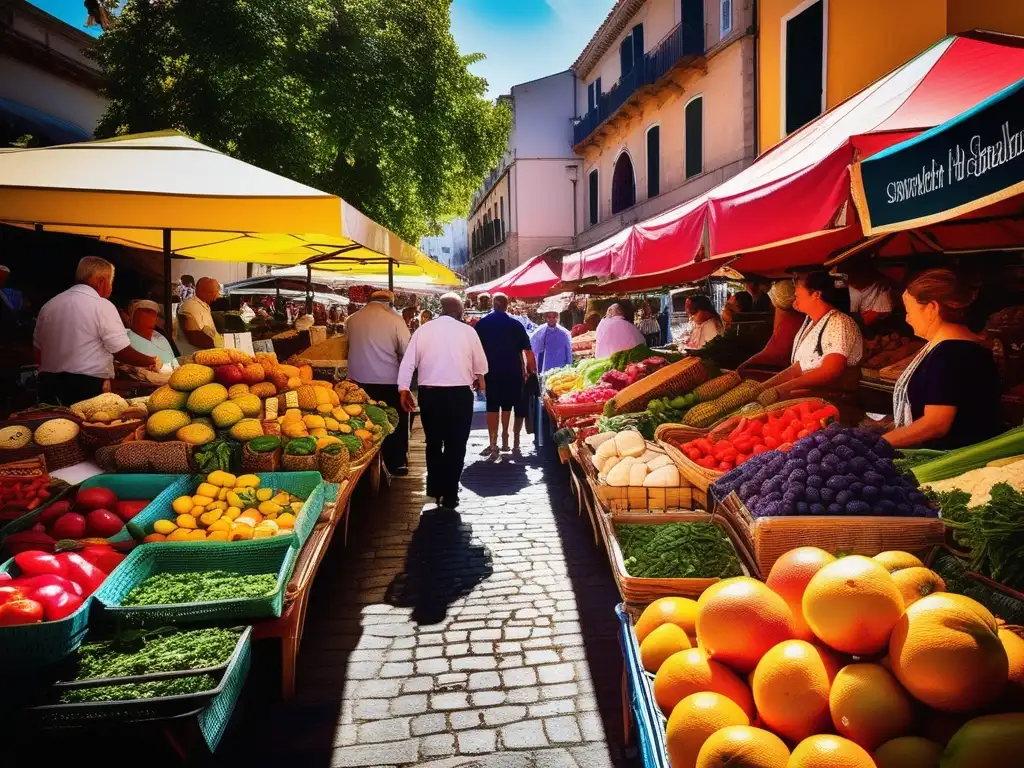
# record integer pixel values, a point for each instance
(305, 485)
(124, 487)
(213, 708)
(30, 646)
(274, 555)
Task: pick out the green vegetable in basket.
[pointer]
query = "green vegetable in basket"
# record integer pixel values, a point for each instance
(992, 533)
(377, 416)
(267, 444)
(333, 449)
(200, 587)
(179, 686)
(301, 446)
(145, 652)
(213, 456)
(353, 443)
(677, 551)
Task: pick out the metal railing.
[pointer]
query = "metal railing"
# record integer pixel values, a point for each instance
(683, 41)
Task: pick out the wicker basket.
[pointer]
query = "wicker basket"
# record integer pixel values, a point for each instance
(640, 498)
(643, 591)
(768, 538)
(681, 376)
(700, 476)
(62, 455)
(253, 462)
(94, 436)
(334, 467)
(291, 463)
(174, 457)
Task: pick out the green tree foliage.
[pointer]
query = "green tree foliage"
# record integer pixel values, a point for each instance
(367, 99)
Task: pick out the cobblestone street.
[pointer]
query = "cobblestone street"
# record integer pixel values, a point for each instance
(479, 638)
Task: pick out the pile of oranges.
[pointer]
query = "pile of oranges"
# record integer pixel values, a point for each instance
(853, 662)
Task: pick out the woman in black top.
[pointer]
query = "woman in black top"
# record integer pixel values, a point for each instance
(948, 397)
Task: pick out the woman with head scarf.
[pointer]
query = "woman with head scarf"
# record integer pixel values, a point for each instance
(776, 352)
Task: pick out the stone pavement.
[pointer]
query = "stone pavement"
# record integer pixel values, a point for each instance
(479, 638)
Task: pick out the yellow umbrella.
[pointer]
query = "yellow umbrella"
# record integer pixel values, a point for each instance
(163, 191)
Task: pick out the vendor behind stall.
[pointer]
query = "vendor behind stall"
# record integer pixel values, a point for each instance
(777, 352)
(142, 331)
(706, 322)
(757, 287)
(829, 344)
(78, 335)
(870, 291)
(196, 328)
(949, 396)
(616, 333)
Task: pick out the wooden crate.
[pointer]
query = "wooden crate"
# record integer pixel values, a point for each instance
(768, 538)
(643, 591)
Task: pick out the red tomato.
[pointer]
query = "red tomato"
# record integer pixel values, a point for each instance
(741, 458)
(725, 466)
(755, 428)
(760, 448)
(744, 445)
(708, 462)
(785, 447)
(694, 455)
(771, 443)
(789, 414)
(20, 612)
(789, 435)
(802, 433)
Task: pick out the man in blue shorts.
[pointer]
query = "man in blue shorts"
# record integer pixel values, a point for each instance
(506, 345)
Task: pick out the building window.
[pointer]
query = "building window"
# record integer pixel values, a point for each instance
(693, 26)
(726, 6)
(623, 184)
(593, 95)
(501, 266)
(631, 50)
(804, 43)
(503, 213)
(693, 150)
(654, 161)
(592, 198)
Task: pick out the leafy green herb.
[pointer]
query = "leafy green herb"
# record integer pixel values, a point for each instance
(214, 455)
(677, 551)
(992, 533)
(178, 686)
(908, 458)
(142, 653)
(200, 586)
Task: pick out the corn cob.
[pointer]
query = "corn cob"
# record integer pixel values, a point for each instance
(768, 397)
(715, 388)
(676, 378)
(706, 414)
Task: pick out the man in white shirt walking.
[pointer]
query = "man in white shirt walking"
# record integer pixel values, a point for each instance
(450, 359)
(78, 336)
(377, 340)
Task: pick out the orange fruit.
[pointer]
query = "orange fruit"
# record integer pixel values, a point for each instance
(1013, 644)
(868, 705)
(946, 652)
(791, 685)
(894, 560)
(661, 643)
(789, 578)
(680, 611)
(694, 720)
(740, 619)
(826, 751)
(915, 583)
(741, 746)
(691, 671)
(987, 742)
(908, 752)
(852, 605)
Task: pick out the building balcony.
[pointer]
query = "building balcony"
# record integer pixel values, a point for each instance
(680, 49)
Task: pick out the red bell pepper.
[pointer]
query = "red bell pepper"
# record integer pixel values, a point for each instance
(47, 579)
(36, 563)
(80, 570)
(102, 556)
(4, 577)
(9, 593)
(57, 602)
(20, 612)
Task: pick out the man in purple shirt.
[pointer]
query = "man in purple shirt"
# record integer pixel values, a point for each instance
(552, 344)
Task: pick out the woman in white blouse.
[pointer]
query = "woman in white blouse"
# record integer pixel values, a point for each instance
(706, 322)
(829, 344)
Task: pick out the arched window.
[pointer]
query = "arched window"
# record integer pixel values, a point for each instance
(623, 184)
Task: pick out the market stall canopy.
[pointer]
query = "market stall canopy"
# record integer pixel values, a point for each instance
(794, 205)
(422, 269)
(132, 189)
(964, 165)
(406, 277)
(533, 279)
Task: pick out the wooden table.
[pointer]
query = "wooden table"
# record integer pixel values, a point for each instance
(290, 625)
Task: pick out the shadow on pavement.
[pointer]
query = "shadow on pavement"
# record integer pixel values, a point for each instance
(442, 565)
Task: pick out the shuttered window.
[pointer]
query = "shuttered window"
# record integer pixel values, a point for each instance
(592, 197)
(694, 137)
(654, 162)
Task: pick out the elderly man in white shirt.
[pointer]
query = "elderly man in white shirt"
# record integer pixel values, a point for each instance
(450, 359)
(377, 340)
(615, 333)
(78, 336)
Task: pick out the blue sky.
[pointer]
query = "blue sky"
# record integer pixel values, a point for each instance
(522, 39)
